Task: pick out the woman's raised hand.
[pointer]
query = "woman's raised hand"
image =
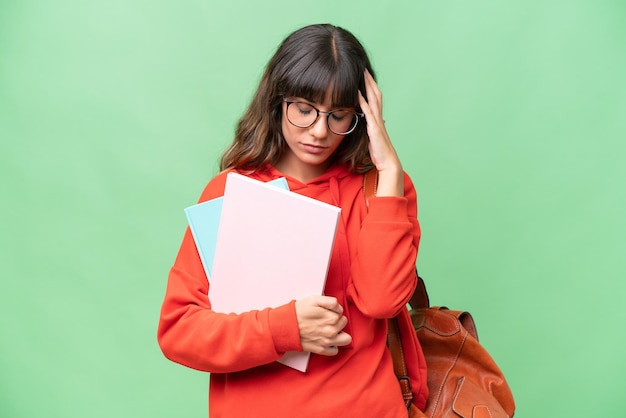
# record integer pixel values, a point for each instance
(321, 321)
(382, 152)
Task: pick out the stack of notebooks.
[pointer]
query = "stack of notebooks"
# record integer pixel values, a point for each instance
(262, 246)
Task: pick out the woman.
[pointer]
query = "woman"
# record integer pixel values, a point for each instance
(316, 119)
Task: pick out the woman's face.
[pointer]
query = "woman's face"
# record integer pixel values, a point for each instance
(308, 149)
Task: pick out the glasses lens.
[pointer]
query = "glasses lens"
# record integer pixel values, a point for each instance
(301, 114)
(342, 122)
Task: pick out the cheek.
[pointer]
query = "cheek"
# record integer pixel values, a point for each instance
(338, 140)
(286, 129)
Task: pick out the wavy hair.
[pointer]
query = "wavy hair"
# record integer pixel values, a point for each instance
(306, 64)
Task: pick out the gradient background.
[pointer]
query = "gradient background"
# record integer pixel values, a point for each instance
(509, 116)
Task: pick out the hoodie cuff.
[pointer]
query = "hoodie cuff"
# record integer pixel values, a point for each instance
(283, 324)
(387, 208)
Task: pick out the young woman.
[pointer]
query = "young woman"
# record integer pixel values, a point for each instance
(316, 119)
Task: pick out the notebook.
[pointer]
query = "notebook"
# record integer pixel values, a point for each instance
(272, 246)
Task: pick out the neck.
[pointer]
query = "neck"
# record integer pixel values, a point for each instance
(301, 172)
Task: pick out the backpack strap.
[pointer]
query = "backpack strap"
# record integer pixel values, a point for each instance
(420, 299)
(399, 363)
(370, 184)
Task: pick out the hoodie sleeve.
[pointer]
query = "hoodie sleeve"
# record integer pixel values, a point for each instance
(383, 274)
(191, 334)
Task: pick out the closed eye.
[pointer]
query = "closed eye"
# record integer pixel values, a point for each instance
(340, 115)
(304, 108)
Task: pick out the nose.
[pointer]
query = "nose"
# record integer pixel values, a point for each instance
(320, 128)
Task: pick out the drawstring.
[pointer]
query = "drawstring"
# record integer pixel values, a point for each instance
(343, 252)
(333, 185)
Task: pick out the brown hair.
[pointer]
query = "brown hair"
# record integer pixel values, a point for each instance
(306, 63)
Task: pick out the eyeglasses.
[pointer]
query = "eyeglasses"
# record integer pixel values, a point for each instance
(303, 115)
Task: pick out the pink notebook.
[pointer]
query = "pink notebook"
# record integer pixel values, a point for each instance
(272, 246)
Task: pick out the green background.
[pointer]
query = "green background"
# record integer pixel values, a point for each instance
(509, 116)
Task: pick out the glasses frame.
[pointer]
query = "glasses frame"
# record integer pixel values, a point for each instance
(359, 115)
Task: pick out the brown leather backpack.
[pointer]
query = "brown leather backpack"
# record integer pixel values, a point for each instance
(463, 379)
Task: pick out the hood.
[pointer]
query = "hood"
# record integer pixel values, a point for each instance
(318, 188)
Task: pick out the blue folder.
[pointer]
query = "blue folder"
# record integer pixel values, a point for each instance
(204, 221)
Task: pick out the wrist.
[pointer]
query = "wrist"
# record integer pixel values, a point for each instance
(390, 182)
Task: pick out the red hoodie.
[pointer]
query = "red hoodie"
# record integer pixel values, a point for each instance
(372, 274)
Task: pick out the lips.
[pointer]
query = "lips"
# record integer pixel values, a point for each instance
(313, 149)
